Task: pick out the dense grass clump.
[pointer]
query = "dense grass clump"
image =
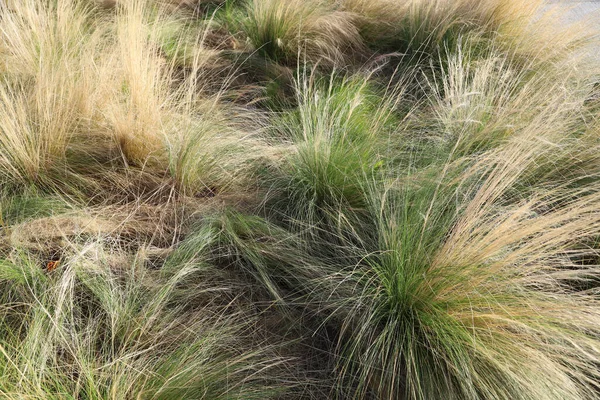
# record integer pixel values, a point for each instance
(268, 199)
(292, 30)
(423, 317)
(339, 130)
(83, 330)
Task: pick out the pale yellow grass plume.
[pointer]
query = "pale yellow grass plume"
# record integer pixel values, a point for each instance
(434, 14)
(47, 53)
(78, 84)
(528, 29)
(481, 101)
(537, 251)
(138, 79)
(160, 116)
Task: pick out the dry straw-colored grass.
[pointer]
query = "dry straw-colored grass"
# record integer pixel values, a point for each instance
(77, 85)
(431, 226)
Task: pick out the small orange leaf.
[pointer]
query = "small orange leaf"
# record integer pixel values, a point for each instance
(51, 265)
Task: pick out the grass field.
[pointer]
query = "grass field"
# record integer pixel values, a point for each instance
(298, 199)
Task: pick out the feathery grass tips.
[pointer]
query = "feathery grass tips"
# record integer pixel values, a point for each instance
(321, 199)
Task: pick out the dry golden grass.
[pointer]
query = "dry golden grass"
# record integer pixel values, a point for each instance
(481, 101)
(211, 176)
(46, 86)
(426, 15)
(529, 30)
(77, 85)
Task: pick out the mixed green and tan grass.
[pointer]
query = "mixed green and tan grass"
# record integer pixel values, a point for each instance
(265, 199)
